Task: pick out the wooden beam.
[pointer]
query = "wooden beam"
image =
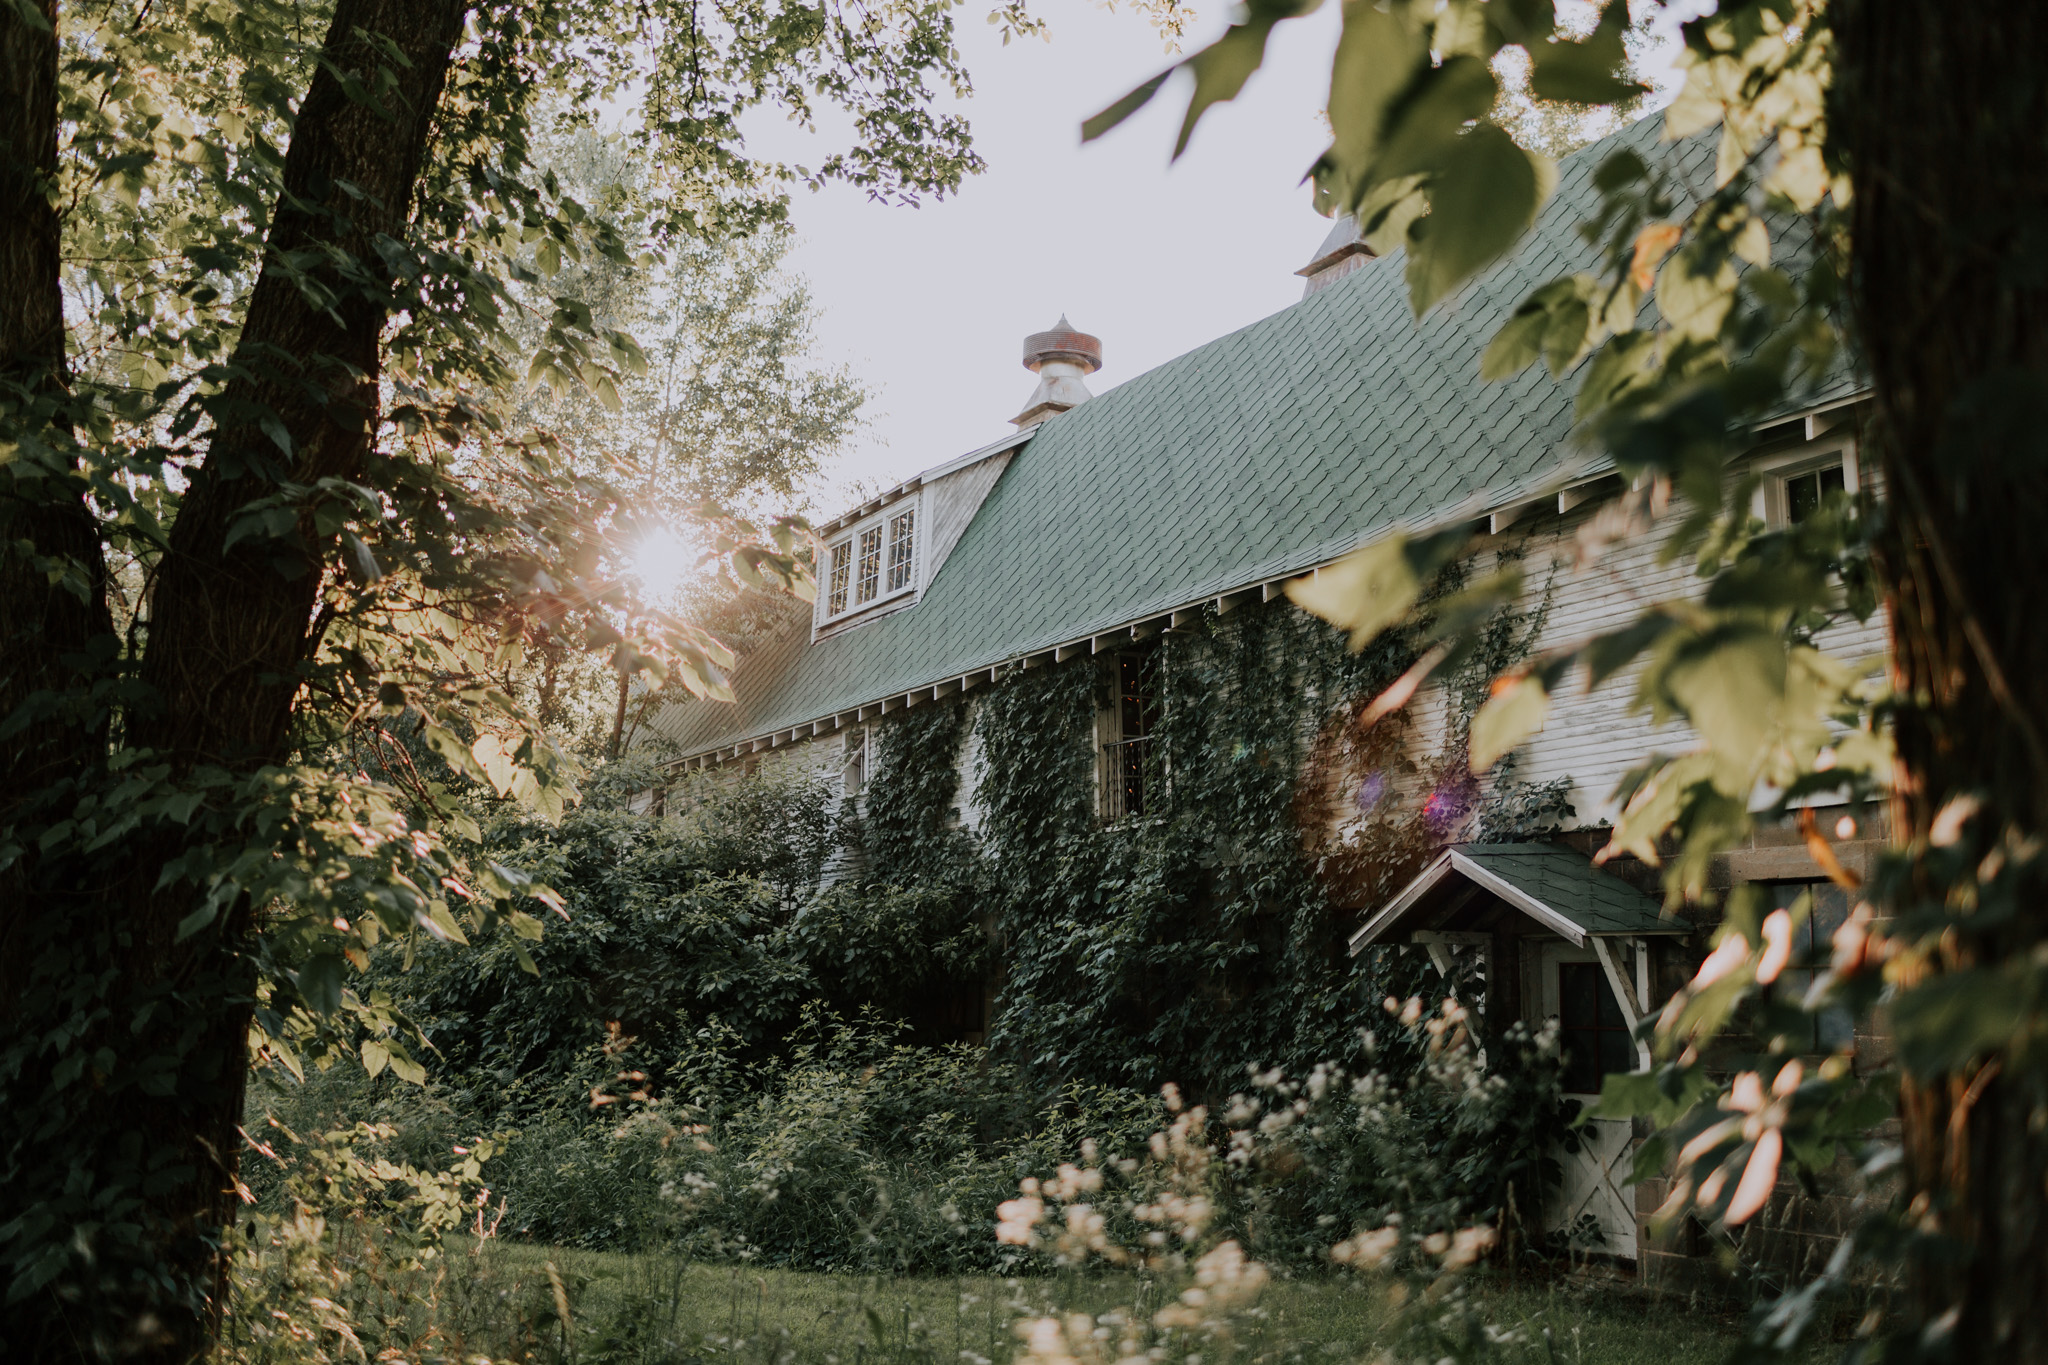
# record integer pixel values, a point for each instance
(1580, 494)
(1499, 521)
(1624, 994)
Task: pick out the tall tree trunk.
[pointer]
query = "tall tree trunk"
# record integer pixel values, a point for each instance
(44, 632)
(131, 1115)
(1942, 106)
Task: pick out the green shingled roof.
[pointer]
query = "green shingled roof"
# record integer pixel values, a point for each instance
(1554, 885)
(1568, 883)
(1265, 452)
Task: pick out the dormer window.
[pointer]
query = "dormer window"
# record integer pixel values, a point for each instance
(902, 540)
(868, 585)
(1798, 482)
(1804, 493)
(873, 562)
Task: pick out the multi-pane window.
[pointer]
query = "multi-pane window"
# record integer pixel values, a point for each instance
(868, 582)
(842, 572)
(1804, 493)
(1128, 760)
(1591, 1028)
(872, 563)
(902, 540)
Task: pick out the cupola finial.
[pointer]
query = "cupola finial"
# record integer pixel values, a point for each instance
(1061, 358)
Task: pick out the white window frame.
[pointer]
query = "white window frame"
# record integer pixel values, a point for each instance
(881, 524)
(1770, 503)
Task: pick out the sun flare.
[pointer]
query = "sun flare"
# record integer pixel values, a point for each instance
(665, 561)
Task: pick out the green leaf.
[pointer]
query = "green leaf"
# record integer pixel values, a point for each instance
(1516, 710)
(1222, 68)
(1586, 72)
(1695, 291)
(1378, 57)
(375, 1057)
(1516, 345)
(1484, 200)
(275, 430)
(320, 983)
(403, 1066)
(1951, 1019)
(493, 756)
(1605, 655)
(1364, 592)
(1662, 1095)
(368, 572)
(1730, 684)
(444, 924)
(1433, 116)
(197, 920)
(1130, 104)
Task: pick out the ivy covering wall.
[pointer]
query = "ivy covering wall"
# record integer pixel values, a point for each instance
(1209, 932)
(772, 961)
(1182, 944)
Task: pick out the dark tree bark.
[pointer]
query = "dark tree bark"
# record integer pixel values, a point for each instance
(152, 1126)
(1942, 106)
(43, 634)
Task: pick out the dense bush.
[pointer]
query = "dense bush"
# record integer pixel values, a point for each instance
(851, 1149)
(716, 916)
(742, 1042)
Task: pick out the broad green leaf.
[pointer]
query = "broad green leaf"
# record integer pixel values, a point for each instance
(1586, 72)
(1515, 710)
(1379, 56)
(1516, 345)
(1426, 129)
(444, 924)
(1695, 292)
(1364, 592)
(368, 572)
(1800, 175)
(197, 920)
(1955, 1017)
(1485, 198)
(494, 756)
(320, 983)
(403, 1066)
(375, 1057)
(1730, 685)
(1606, 655)
(1222, 68)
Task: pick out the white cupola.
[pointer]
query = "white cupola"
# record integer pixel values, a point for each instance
(1061, 358)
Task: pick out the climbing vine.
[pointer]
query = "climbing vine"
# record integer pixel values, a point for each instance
(909, 824)
(1210, 930)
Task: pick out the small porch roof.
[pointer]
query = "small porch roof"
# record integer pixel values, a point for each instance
(1551, 884)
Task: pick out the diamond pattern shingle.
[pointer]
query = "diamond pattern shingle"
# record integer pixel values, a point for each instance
(1265, 452)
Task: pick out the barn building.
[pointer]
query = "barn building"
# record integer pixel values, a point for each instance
(1189, 494)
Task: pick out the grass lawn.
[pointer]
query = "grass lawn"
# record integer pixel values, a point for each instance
(649, 1308)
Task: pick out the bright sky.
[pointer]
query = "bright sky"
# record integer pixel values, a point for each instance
(930, 306)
